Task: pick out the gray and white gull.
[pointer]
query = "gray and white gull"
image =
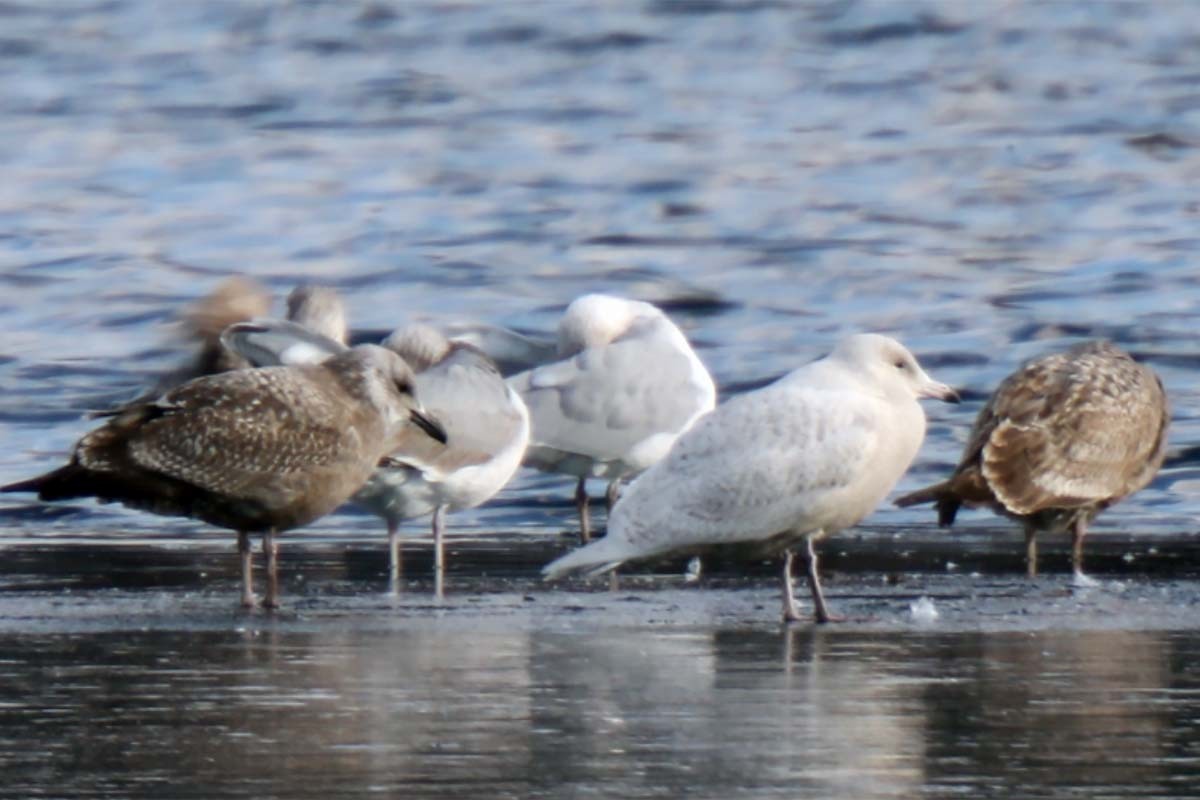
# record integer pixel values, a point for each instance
(486, 424)
(627, 385)
(802, 458)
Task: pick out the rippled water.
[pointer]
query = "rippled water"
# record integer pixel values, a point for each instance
(987, 181)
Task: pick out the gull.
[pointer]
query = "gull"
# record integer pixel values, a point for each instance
(627, 385)
(1061, 439)
(802, 458)
(486, 424)
(252, 450)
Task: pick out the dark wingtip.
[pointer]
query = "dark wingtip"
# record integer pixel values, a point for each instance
(31, 485)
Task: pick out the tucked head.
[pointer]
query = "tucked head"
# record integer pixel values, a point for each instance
(421, 346)
(320, 309)
(889, 365)
(594, 320)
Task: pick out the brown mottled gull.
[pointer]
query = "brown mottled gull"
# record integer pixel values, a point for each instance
(802, 458)
(627, 386)
(1061, 439)
(253, 450)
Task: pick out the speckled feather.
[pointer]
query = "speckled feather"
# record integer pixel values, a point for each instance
(1071, 432)
(251, 449)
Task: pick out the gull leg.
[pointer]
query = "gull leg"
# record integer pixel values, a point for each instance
(395, 564)
(820, 611)
(581, 503)
(1031, 565)
(790, 612)
(439, 552)
(271, 552)
(613, 494)
(1078, 531)
(614, 583)
(247, 558)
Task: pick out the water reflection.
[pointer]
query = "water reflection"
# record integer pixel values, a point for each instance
(640, 712)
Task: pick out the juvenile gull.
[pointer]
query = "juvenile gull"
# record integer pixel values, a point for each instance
(802, 458)
(486, 424)
(1061, 439)
(627, 386)
(253, 450)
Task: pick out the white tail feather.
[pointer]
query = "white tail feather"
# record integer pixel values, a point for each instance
(595, 558)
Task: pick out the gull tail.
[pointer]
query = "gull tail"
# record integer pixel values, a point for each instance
(594, 559)
(59, 484)
(940, 495)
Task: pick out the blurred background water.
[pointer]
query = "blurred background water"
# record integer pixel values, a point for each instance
(987, 181)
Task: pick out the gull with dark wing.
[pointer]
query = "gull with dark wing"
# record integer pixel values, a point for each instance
(486, 424)
(252, 450)
(1061, 439)
(627, 386)
(802, 458)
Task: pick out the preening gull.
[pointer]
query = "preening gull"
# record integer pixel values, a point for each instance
(253, 450)
(810, 454)
(320, 309)
(486, 424)
(628, 385)
(235, 299)
(1061, 439)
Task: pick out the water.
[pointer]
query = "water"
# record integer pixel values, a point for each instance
(986, 181)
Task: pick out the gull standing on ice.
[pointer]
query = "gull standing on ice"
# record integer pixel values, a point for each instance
(252, 450)
(486, 424)
(628, 385)
(1061, 439)
(810, 454)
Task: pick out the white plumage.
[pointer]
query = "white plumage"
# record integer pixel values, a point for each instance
(627, 386)
(804, 457)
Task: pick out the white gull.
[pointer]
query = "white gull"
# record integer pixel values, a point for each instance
(627, 386)
(802, 458)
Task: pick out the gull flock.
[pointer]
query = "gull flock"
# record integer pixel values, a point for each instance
(278, 422)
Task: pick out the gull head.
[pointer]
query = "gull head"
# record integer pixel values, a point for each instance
(595, 320)
(388, 382)
(890, 366)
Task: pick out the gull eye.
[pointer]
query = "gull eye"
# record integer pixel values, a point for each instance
(404, 387)
(899, 363)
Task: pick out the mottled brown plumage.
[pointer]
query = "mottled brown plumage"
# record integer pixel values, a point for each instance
(255, 450)
(1061, 439)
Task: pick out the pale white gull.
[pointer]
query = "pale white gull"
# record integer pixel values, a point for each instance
(486, 424)
(1061, 439)
(802, 458)
(627, 386)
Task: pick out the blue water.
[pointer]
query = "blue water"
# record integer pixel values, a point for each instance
(986, 181)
